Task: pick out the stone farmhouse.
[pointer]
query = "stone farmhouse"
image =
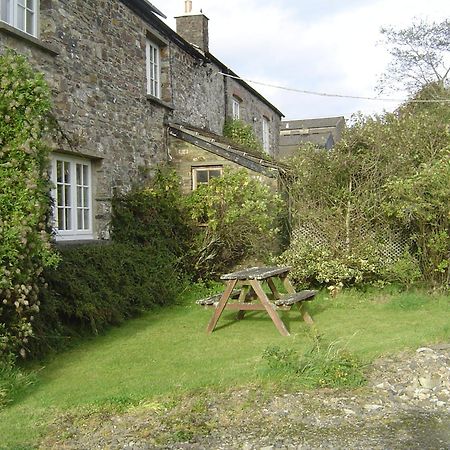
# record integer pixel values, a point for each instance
(324, 132)
(129, 93)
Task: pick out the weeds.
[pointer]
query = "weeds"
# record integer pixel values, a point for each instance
(13, 382)
(322, 365)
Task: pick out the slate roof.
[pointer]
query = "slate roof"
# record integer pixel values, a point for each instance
(322, 122)
(224, 148)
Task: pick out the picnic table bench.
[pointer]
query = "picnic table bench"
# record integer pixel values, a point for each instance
(252, 297)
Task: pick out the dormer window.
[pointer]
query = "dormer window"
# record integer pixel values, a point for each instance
(20, 14)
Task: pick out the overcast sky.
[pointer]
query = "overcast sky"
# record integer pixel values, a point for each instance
(329, 46)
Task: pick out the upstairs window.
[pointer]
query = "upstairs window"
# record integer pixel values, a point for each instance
(20, 14)
(236, 109)
(72, 196)
(266, 134)
(153, 69)
(202, 175)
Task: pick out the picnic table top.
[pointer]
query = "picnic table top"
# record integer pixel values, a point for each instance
(256, 273)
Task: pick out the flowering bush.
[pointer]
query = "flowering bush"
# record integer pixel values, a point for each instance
(24, 199)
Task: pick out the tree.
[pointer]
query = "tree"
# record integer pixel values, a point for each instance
(420, 56)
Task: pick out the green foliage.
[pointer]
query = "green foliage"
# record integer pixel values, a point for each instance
(24, 199)
(13, 381)
(387, 177)
(99, 285)
(242, 134)
(421, 202)
(239, 215)
(320, 366)
(330, 265)
(155, 215)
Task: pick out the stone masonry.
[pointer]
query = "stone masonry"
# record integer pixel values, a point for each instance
(93, 54)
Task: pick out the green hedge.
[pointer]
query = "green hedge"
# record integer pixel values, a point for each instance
(99, 285)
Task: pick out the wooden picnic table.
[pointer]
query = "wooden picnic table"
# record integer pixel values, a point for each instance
(252, 297)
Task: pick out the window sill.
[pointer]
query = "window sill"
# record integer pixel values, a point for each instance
(159, 102)
(79, 243)
(8, 29)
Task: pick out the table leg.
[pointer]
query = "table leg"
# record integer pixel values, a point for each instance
(221, 305)
(290, 289)
(288, 285)
(273, 288)
(244, 297)
(269, 307)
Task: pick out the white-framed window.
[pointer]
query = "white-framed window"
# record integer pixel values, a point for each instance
(266, 134)
(20, 14)
(72, 197)
(202, 175)
(153, 58)
(236, 109)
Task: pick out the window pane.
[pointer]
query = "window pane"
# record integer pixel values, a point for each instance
(68, 219)
(30, 4)
(21, 3)
(59, 171)
(30, 22)
(5, 10)
(86, 197)
(79, 175)
(214, 173)
(21, 18)
(86, 219)
(66, 172)
(85, 175)
(60, 219)
(79, 196)
(59, 196)
(67, 198)
(79, 219)
(202, 176)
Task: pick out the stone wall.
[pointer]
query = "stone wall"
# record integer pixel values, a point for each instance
(185, 156)
(198, 92)
(252, 111)
(93, 54)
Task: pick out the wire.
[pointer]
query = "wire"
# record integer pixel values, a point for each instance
(324, 94)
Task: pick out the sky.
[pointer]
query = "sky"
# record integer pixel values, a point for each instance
(328, 46)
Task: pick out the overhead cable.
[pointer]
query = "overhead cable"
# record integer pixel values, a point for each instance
(325, 94)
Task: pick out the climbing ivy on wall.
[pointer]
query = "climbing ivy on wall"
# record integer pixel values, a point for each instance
(242, 134)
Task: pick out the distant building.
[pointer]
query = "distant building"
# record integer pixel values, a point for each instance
(324, 132)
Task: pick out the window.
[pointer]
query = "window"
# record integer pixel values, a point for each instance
(153, 69)
(72, 196)
(202, 175)
(236, 109)
(266, 134)
(21, 14)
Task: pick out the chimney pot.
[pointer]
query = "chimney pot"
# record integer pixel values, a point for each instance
(188, 6)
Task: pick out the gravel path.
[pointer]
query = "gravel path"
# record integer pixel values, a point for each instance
(406, 405)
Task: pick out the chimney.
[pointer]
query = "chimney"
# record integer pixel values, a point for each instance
(193, 27)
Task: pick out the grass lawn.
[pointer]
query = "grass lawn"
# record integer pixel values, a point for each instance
(167, 352)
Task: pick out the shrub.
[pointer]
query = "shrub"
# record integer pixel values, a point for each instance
(240, 218)
(24, 199)
(330, 265)
(155, 215)
(99, 285)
